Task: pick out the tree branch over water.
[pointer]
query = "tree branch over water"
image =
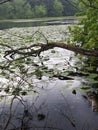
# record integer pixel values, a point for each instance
(36, 49)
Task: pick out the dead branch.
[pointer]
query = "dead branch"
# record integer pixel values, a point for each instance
(36, 49)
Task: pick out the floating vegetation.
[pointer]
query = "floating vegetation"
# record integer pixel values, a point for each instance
(54, 63)
(22, 71)
(85, 88)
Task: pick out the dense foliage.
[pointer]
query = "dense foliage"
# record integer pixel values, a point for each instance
(87, 32)
(37, 8)
(86, 36)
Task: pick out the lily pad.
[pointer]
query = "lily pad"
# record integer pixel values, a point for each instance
(85, 87)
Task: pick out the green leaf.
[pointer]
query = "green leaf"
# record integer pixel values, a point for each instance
(85, 88)
(23, 93)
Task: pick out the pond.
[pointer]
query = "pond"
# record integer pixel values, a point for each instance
(56, 102)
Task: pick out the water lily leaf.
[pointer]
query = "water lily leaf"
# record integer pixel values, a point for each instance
(16, 91)
(74, 91)
(93, 75)
(85, 88)
(53, 51)
(24, 93)
(7, 89)
(91, 68)
(41, 117)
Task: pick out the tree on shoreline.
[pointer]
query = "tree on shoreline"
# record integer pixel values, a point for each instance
(35, 8)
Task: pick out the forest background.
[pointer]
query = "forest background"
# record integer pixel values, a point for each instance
(26, 9)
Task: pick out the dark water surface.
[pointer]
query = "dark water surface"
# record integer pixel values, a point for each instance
(11, 24)
(56, 108)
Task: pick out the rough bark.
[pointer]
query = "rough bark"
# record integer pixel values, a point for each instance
(75, 49)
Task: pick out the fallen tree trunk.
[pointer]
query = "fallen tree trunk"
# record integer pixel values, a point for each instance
(40, 47)
(71, 48)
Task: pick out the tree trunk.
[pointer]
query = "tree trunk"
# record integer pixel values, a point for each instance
(43, 47)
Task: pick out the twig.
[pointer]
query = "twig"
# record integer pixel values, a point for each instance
(10, 114)
(72, 121)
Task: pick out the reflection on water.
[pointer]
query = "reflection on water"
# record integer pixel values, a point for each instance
(5, 25)
(55, 107)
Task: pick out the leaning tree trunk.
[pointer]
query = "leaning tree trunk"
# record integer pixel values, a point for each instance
(40, 47)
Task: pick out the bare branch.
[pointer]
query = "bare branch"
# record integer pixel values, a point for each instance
(40, 47)
(10, 114)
